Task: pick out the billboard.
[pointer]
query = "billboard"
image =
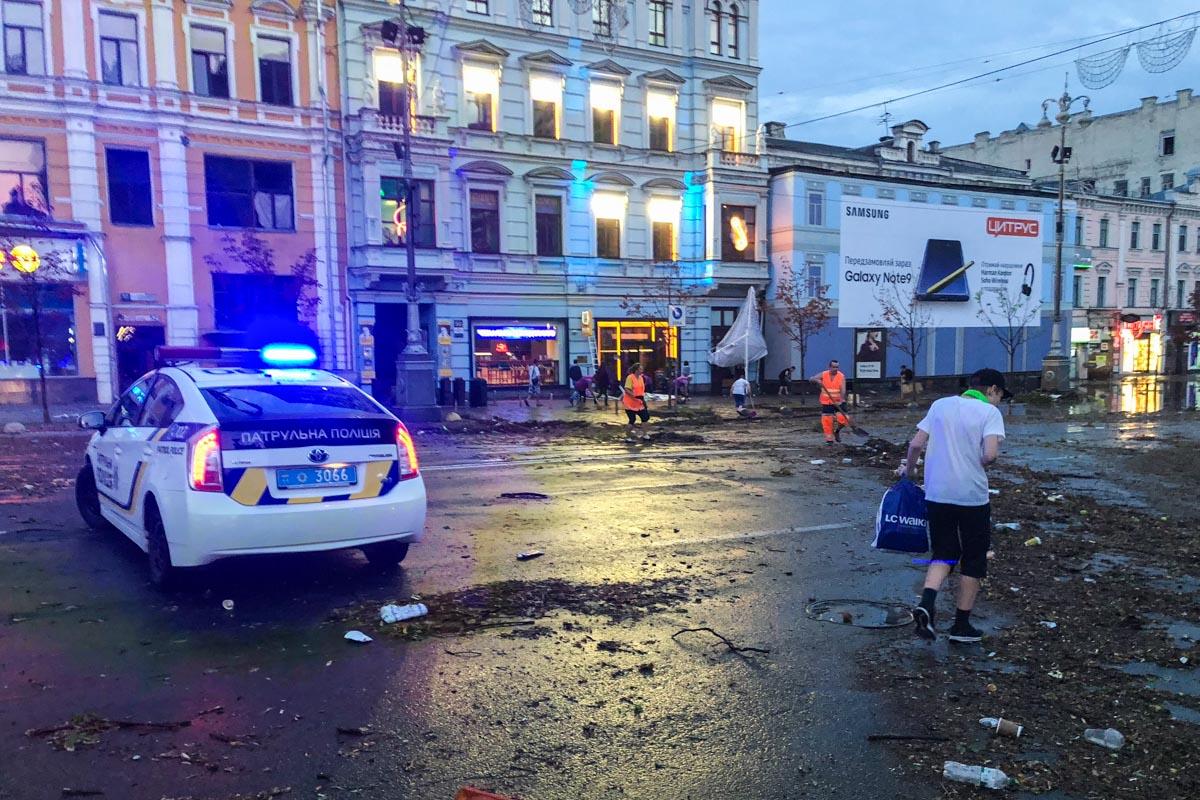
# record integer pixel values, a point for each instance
(938, 266)
(870, 348)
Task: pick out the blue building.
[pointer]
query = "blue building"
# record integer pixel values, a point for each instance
(815, 194)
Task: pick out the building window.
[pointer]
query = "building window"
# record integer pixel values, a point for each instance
(1135, 230)
(391, 99)
(1077, 290)
(248, 194)
(481, 86)
(275, 70)
(1131, 293)
(210, 68)
(549, 223)
(1166, 143)
(1145, 190)
(816, 208)
(242, 300)
(56, 325)
(1156, 236)
(23, 178)
(606, 103)
(1182, 238)
(1154, 283)
(129, 194)
(546, 93)
(728, 121)
(734, 39)
(1121, 188)
(477, 6)
(609, 209)
(660, 108)
(659, 10)
(737, 233)
(389, 76)
(602, 17)
(542, 13)
(1180, 292)
(1101, 291)
(1168, 181)
(393, 210)
(1104, 232)
(664, 216)
(714, 28)
(1078, 229)
(485, 221)
(119, 49)
(24, 41)
(814, 266)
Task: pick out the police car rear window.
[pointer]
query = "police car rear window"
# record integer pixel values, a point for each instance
(235, 403)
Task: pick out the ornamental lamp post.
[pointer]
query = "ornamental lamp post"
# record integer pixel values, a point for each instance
(1056, 367)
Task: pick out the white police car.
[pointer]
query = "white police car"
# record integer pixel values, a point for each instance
(203, 459)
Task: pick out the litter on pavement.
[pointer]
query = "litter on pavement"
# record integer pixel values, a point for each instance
(1048, 624)
(358, 636)
(1008, 526)
(393, 613)
(817, 461)
(1003, 727)
(986, 777)
(529, 555)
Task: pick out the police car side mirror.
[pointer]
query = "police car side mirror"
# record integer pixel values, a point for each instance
(93, 421)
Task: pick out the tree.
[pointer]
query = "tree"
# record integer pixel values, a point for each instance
(36, 277)
(801, 314)
(664, 287)
(910, 318)
(1007, 319)
(255, 256)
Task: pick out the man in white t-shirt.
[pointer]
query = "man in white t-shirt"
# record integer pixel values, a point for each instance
(739, 392)
(960, 437)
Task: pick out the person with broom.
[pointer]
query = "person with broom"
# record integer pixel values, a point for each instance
(833, 401)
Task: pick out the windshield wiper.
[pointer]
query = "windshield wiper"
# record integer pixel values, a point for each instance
(233, 402)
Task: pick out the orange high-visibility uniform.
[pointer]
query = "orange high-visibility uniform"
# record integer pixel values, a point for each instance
(833, 394)
(635, 392)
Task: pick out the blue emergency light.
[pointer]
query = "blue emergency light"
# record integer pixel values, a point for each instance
(288, 355)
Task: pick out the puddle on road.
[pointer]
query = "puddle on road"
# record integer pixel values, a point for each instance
(1183, 713)
(860, 613)
(1165, 679)
(1183, 634)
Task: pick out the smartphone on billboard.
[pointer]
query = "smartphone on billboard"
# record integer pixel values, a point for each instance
(943, 257)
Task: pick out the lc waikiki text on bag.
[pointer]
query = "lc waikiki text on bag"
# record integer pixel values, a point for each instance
(902, 524)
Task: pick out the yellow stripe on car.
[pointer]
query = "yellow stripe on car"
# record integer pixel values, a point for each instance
(373, 485)
(251, 488)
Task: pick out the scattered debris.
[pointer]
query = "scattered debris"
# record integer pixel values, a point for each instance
(1111, 738)
(471, 793)
(782, 472)
(1048, 624)
(1054, 498)
(1056, 674)
(361, 730)
(986, 777)
(1008, 526)
(357, 636)
(85, 729)
(816, 462)
(392, 613)
(1003, 727)
(14, 427)
(227, 605)
(732, 647)
(1033, 541)
(529, 555)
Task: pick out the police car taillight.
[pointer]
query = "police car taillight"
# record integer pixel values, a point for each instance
(204, 462)
(408, 452)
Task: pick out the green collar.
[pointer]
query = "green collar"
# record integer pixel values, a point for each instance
(975, 393)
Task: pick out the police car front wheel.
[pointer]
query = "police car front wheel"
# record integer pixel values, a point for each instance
(386, 554)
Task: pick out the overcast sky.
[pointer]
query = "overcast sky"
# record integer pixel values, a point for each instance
(823, 58)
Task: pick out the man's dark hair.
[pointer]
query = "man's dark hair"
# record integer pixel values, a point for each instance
(833, 361)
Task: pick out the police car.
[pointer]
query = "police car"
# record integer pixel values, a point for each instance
(216, 454)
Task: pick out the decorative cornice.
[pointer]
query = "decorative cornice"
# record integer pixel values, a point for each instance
(663, 76)
(274, 8)
(731, 82)
(609, 67)
(545, 58)
(488, 167)
(664, 183)
(481, 47)
(548, 174)
(610, 177)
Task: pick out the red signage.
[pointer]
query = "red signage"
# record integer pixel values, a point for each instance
(1009, 226)
(1143, 326)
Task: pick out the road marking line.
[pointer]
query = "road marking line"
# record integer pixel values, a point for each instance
(577, 460)
(832, 526)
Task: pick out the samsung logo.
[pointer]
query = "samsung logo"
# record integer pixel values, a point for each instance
(869, 213)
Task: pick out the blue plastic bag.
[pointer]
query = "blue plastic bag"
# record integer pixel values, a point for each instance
(902, 524)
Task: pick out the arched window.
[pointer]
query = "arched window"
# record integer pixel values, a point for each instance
(734, 21)
(714, 28)
(912, 151)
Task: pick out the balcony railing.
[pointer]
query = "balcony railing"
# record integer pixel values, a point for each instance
(727, 158)
(393, 123)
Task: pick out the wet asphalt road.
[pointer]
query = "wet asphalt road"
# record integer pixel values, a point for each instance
(554, 716)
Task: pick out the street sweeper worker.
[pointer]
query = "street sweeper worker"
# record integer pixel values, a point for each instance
(833, 400)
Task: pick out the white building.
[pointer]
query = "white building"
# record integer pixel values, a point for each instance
(1140, 152)
(603, 161)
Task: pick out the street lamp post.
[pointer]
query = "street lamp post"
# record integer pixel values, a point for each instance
(1056, 366)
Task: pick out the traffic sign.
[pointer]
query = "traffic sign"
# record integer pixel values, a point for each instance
(676, 316)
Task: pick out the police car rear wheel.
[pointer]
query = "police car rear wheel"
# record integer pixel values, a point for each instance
(158, 552)
(386, 554)
(87, 499)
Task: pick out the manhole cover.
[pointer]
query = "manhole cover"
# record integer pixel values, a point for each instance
(860, 613)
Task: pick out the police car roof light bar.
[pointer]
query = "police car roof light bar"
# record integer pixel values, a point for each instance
(164, 355)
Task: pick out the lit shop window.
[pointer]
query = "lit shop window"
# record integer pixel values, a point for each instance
(546, 94)
(729, 123)
(504, 351)
(664, 221)
(660, 109)
(389, 76)
(481, 88)
(737, 233)
(609, 210)
(606, 112)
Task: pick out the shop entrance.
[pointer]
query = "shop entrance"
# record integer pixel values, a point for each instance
(391, 335)
(135, 351)
(648, 342)
(722, 321)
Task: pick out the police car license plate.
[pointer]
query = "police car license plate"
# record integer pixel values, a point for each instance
(315, 477)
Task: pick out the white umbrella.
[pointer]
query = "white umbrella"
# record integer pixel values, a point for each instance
(744, 342)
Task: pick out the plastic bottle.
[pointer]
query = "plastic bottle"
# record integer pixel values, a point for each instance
(390, 613)
(1111, 738)
(976, 776)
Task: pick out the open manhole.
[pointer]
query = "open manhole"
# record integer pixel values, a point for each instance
(860, 613)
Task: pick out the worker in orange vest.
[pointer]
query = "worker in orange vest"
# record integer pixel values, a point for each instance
(833, 401)
(634, 400)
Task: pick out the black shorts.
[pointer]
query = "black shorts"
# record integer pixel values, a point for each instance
(961, 535)
(830, 410)
(633, 415)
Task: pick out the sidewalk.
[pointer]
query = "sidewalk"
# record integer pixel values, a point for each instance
(62, 415)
